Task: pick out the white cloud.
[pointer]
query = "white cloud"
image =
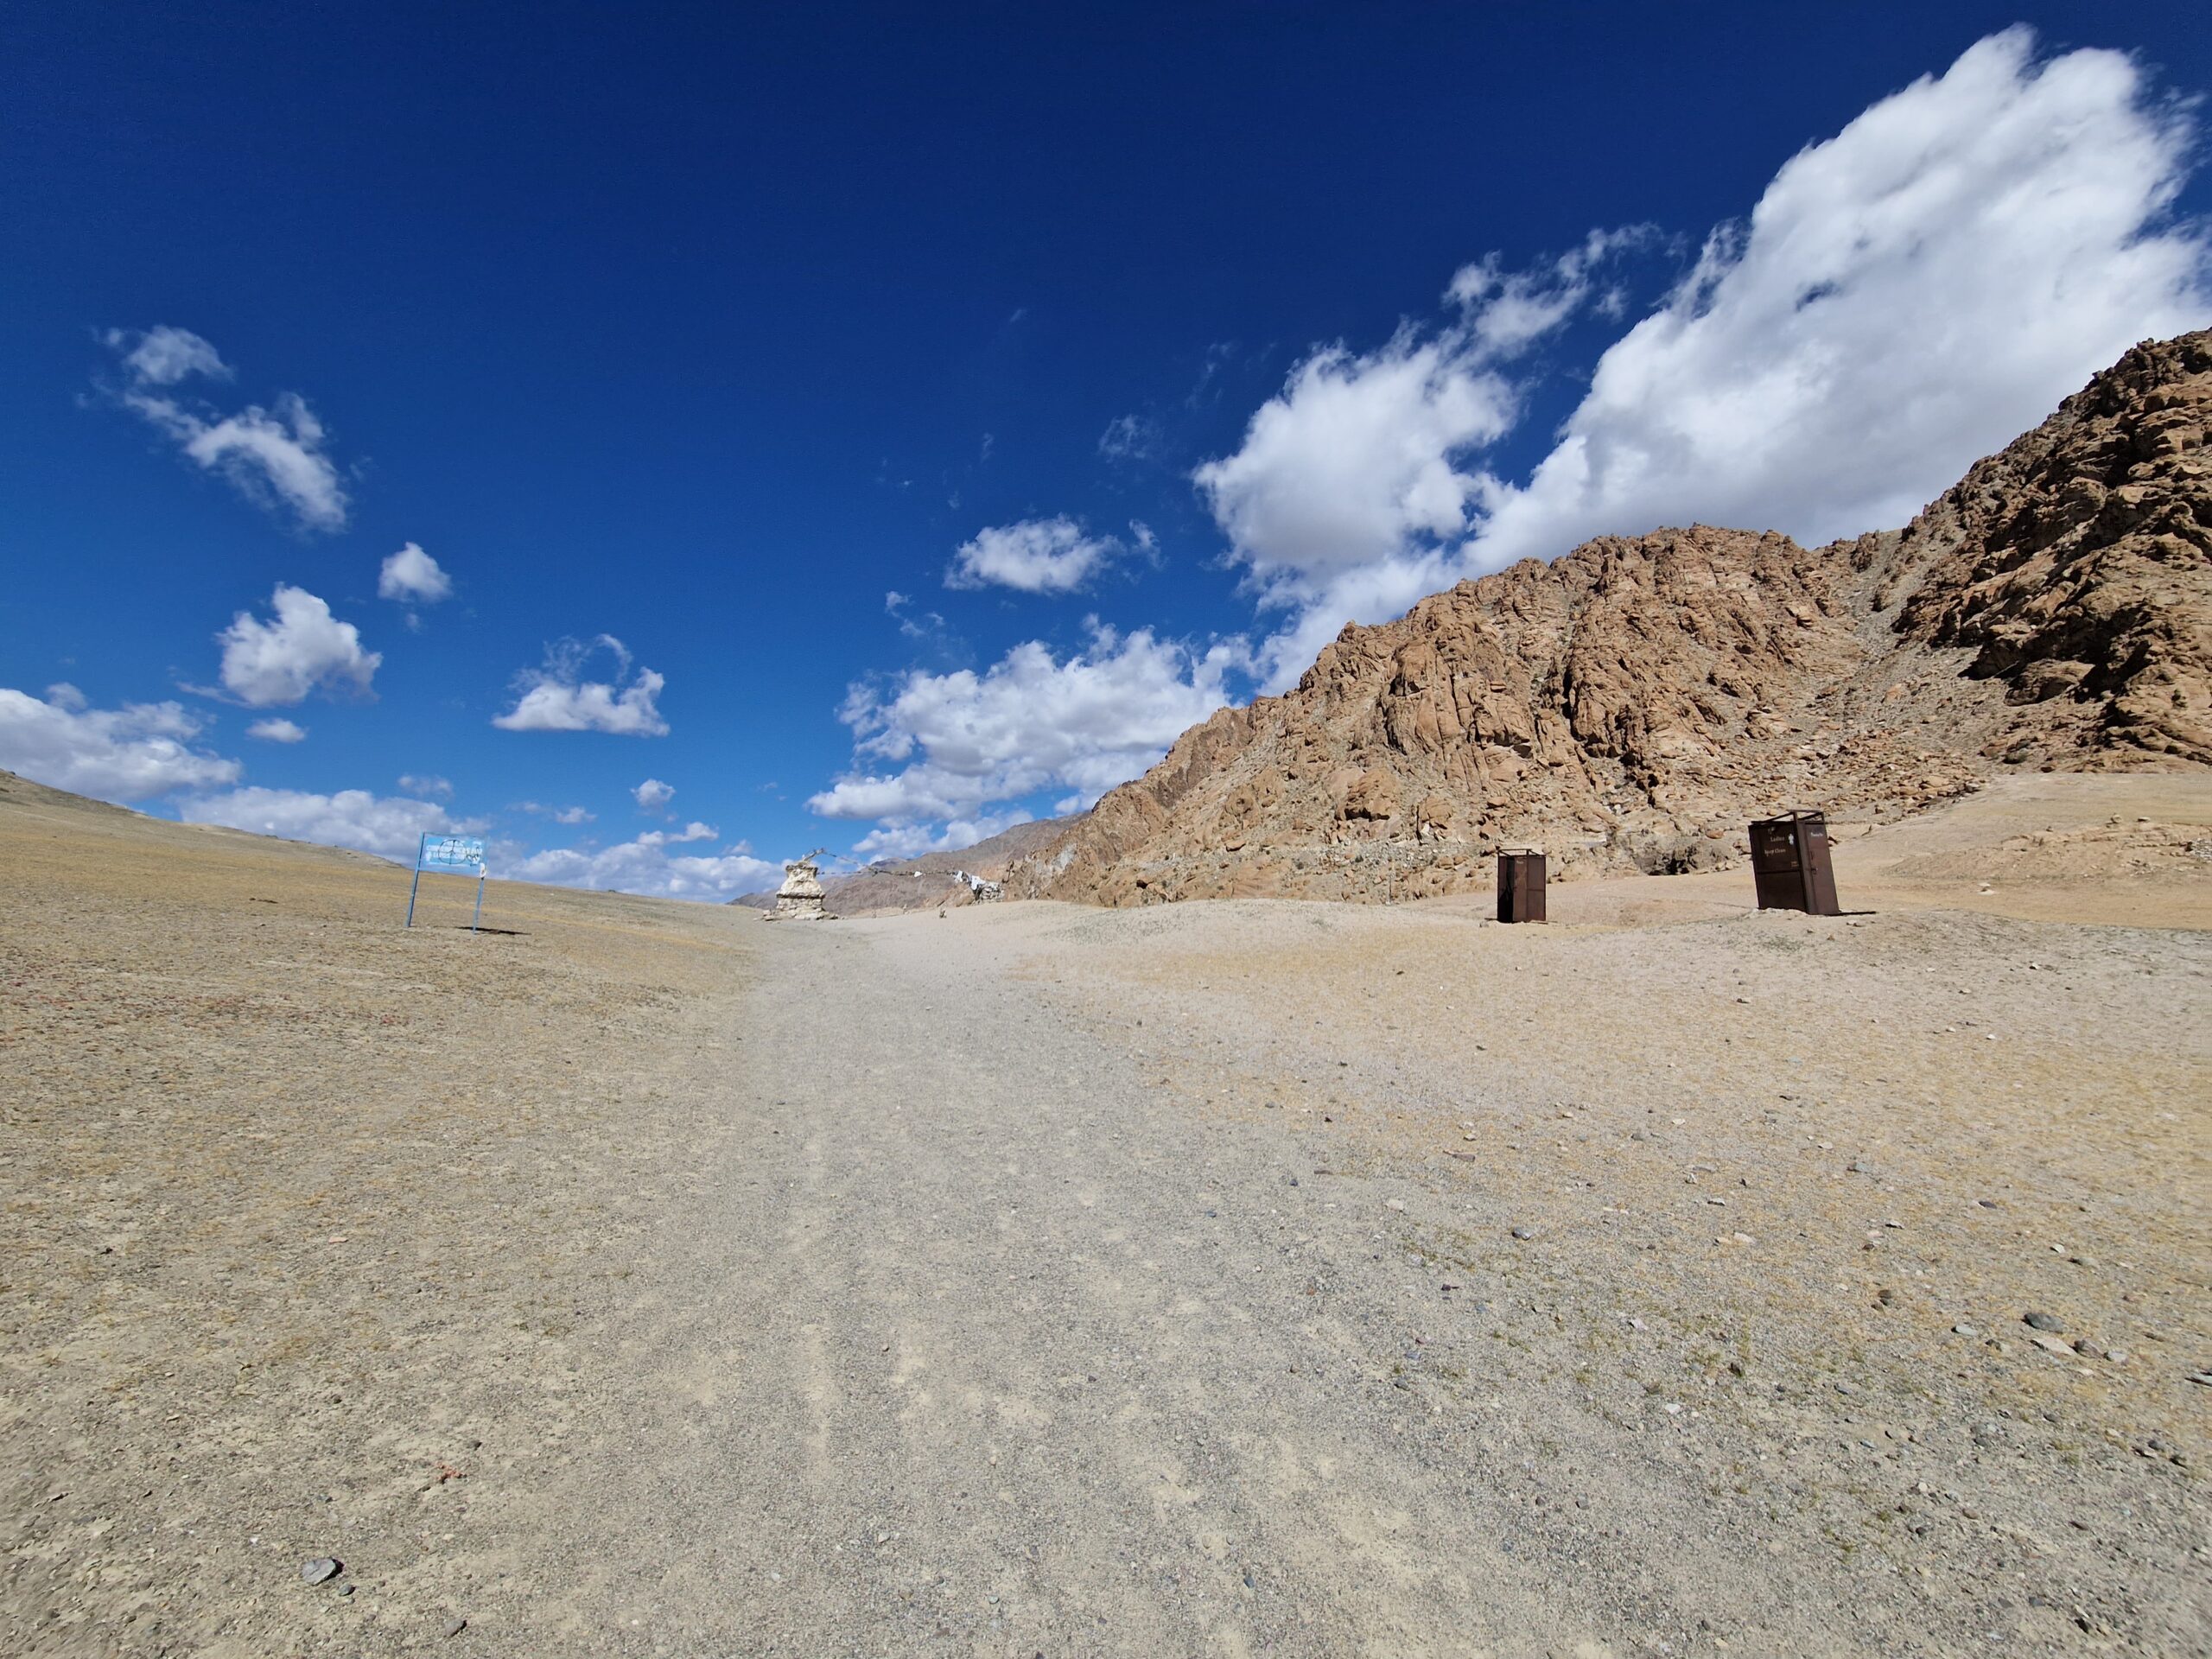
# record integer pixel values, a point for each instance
(413, 576)
(387, 825)
(693, 830)
(895, 603)
(652, 795)
(647, 866)
(130, 753)
(163, 355)
(1357, 458)
(427, 783)
(277, 730)
(264, 453)
(266, 663)
(1505, 313)
(912, 840)
(1035, 556)
(558, 698)
(1129, 437)
(1030, 722)
(1907, 297)
(559, 814)
(273, 455)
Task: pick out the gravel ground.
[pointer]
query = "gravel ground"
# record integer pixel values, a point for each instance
(315, 1228)
(1228, 1278)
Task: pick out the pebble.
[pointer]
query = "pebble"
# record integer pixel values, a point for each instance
(2088, 1350)
(1964, 1331)
(321, 1570)
(2041, 1322)
(453, 1627)
(1522, 1232)
(2053, 1345)
(1394, 1203)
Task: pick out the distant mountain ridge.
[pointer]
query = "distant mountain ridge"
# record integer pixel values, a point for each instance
(892, 885)
(1633, 703)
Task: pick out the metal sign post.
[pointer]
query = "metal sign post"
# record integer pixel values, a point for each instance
(450, 856)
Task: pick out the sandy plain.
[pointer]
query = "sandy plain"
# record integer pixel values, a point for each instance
(1230, 1278)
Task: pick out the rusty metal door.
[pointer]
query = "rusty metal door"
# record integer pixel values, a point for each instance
(1520, 885)
(1820, 873)
(1791, 870)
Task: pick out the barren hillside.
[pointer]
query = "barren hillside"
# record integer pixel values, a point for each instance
(1630, 705)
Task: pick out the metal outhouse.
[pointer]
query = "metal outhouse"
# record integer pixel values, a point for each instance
(1520, 885)
(1789, 864)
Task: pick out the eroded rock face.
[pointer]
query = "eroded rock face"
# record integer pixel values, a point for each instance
(2075, 563)
(1632, 704)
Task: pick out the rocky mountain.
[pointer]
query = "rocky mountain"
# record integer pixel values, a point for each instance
(1633, 703)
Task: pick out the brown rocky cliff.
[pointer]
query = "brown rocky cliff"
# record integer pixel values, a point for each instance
(2074, 564)
(1633, 703)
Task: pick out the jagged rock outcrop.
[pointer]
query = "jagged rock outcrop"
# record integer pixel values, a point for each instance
(1633, 703)
(2074, 564)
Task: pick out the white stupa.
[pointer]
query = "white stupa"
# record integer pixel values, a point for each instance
(799, 900)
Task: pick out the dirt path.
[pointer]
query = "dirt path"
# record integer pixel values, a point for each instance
(1237, 1278)
(998, 1350)
(1040, 1310)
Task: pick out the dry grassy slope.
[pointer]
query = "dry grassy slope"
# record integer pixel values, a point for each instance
(311, 1221)
(1631, 704)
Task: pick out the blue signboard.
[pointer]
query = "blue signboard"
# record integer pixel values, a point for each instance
(450, 856)
(458, 855)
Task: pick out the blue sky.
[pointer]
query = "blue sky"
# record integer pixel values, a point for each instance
(873, 425)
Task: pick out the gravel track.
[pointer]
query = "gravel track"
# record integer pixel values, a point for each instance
(1238, 1278)
(1055, 1299)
